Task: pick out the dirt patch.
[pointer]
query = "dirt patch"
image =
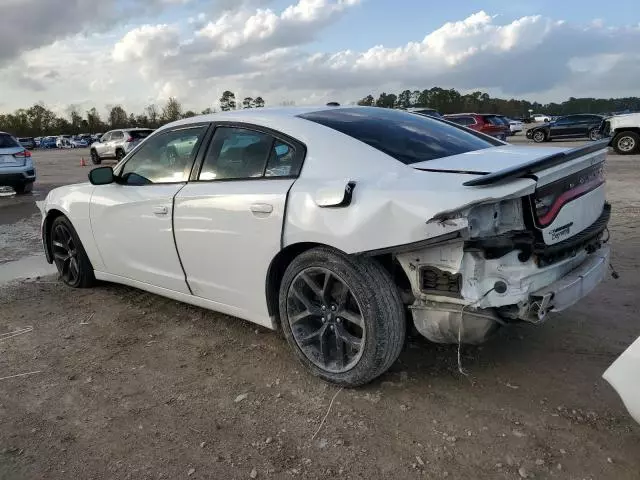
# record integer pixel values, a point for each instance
(20, 239)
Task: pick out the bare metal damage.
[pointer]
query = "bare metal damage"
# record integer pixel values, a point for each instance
(494, 290)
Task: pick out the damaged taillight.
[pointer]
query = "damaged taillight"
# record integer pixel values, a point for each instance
(549, 199)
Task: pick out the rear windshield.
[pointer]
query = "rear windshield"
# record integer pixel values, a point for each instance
(407, 138)
(138, 134)
(7, 141)
(494, 120)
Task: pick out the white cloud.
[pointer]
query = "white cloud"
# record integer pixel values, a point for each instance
(254, 50)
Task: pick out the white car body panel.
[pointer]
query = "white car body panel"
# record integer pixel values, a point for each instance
(626, 120)
(133, 232)
(241, 230)
(624, 376)
(74, 202)
(211, 243)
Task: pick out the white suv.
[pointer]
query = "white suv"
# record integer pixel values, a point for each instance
(117, 143)
(624, 132)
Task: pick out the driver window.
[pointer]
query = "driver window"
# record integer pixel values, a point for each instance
(164, 158)
(106, 137)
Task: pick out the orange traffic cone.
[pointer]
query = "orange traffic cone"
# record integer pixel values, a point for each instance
(82, 162)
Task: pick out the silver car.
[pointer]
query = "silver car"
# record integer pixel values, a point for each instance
(117, 143)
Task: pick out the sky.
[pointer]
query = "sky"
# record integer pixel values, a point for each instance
(132, 53)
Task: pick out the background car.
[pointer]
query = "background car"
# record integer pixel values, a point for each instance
(16, 165)
(623, 132)
(27, 142)
(571, 126)
(488, 124)
(516, 126)
(79, 142)
(117, 143)
(540, 118)
(48, 142)
(63, 141)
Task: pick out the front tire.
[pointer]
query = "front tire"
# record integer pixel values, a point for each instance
(119, 154)
(95, 158)
(23, 188)
(342, 316)
(626, 143)
(594, 134)
(69, 256)
(539, 136)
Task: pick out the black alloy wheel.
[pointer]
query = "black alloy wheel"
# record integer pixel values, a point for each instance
(69, 256)
(325, 319)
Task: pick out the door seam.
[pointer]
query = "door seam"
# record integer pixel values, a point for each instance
(173, 232)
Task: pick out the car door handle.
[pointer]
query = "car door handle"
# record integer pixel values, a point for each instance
(160, 210)
(261, 208)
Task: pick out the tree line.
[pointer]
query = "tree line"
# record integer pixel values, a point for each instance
(452, 101)
(39, 121)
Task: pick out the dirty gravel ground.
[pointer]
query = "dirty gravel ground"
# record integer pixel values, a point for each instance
(132, 385)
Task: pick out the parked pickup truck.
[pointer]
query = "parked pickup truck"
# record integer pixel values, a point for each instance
(624, 132)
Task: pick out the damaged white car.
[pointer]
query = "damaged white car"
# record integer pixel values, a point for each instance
(337, 224)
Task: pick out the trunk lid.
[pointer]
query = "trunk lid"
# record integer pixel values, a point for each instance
(569, 195)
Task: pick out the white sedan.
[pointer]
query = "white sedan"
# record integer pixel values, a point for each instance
(329, 222)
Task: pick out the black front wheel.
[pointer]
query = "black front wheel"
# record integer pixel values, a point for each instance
(69, 256)
(95, 158)
(594, 134)
(342, 316)
(23, 188)
(119, 154)
(539, 136)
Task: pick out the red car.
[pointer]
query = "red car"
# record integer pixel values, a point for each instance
(488, 124)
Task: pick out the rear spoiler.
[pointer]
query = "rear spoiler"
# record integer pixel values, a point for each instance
(530, 168)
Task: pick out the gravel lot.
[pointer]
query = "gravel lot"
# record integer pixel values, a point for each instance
(132, 385)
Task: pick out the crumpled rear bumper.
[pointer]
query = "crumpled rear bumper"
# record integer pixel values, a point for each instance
(572, 287)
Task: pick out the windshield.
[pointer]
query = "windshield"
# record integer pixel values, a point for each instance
(7, 141)
(139, 134)
(404, 136)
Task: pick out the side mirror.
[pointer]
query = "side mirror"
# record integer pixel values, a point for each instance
(101, 176)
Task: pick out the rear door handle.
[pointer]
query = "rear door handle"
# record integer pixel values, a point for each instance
(160, 210)
(261, 208)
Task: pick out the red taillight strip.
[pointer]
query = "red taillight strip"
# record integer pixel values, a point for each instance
(566, 197)
(23, 154)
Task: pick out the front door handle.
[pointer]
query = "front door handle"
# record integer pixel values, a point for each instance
(262, 208)
(160, 210)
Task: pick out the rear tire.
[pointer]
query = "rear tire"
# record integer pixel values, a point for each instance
(69, 255)
(353, 349)
(95, 158)
(119, 154)
(23, 188)
(594, 134)
(626, 143)
(539, 136)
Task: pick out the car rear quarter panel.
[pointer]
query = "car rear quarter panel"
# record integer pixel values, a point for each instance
(387, 209)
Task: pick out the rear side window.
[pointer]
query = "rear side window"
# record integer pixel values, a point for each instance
(466, 121)
(7, 141)
(493, 120)
(117, 135)
(138, 134)
(407, 138)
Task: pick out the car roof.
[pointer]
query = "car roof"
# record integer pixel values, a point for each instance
(263, 115)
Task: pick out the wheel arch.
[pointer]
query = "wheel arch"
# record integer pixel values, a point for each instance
(283, 259)
(52, 214)
(618, 131)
